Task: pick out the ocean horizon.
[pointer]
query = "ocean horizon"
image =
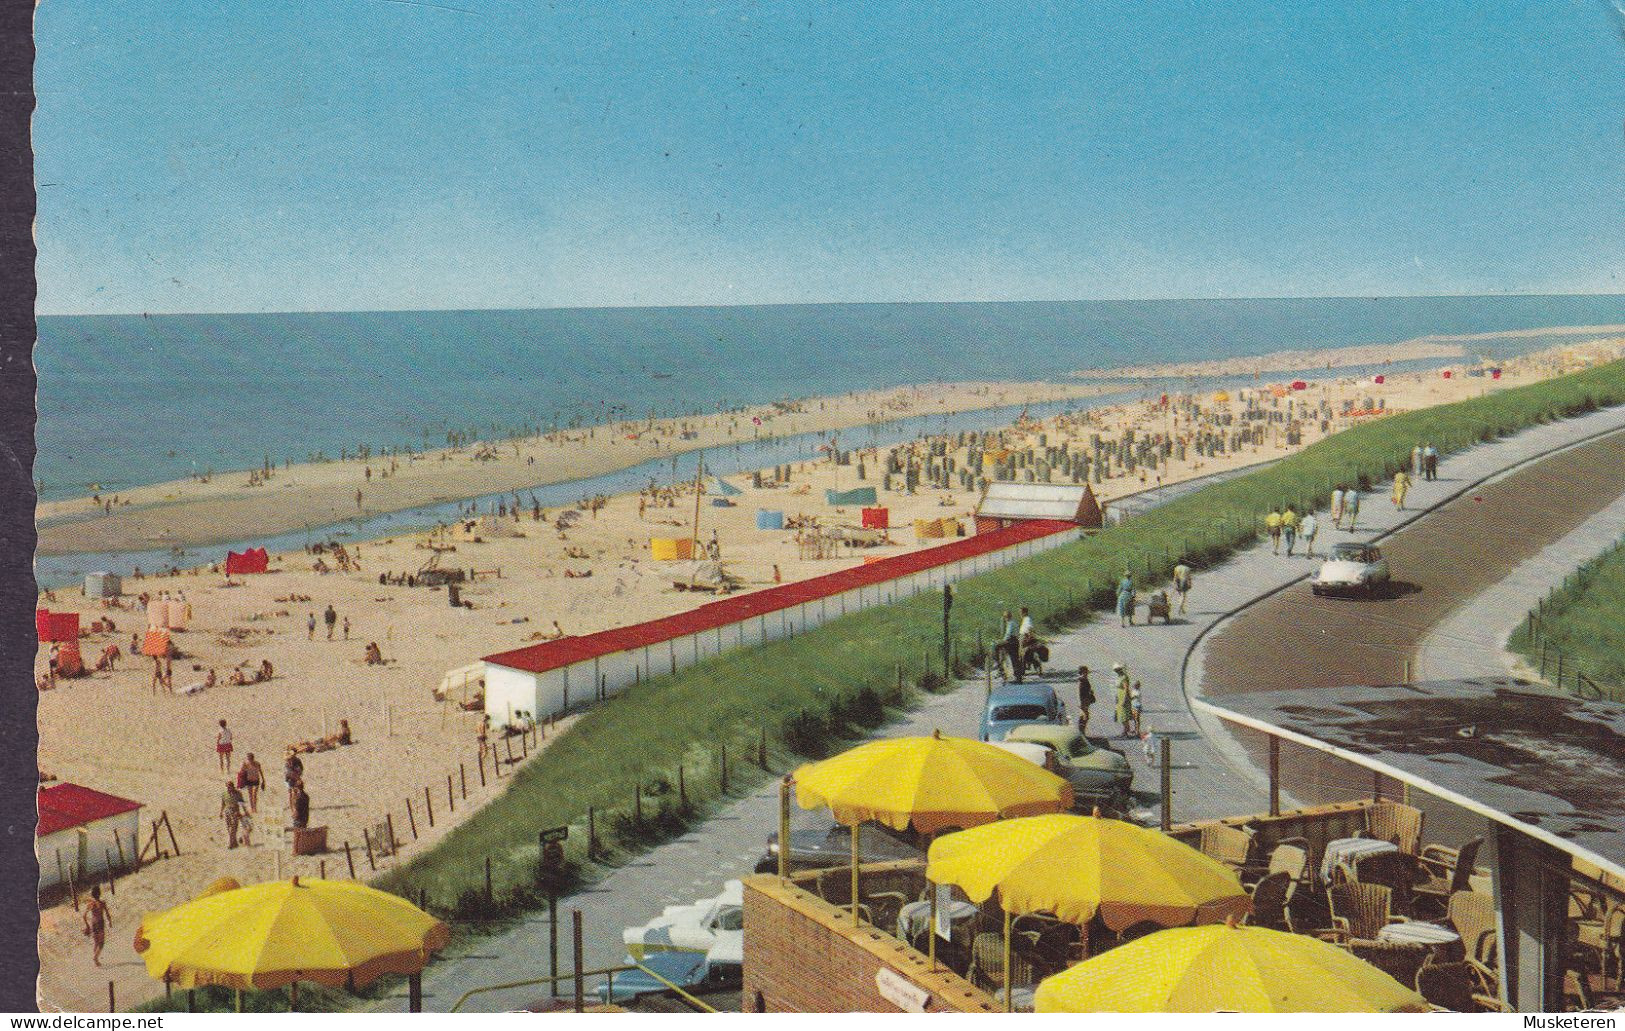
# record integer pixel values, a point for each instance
(130, 400)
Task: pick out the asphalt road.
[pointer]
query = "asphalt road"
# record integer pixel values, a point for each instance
(1293, 640)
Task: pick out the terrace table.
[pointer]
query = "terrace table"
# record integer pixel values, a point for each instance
(1346, 850)
(913, 917)
(1439, 940)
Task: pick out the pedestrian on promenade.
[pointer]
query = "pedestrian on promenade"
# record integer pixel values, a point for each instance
(1010, 648)
(1134, 709)
(1124, 685)
(1086, 698)
(1351, 507)
(1402, 486)
(1125, 599)
(1336, 511)
(1272, 526)
(1307, 529)
(1430, 462)
(222, 747)
(1416, 460)
(331, 618)
(1289, 529)
(1182, 584)
(231, 810)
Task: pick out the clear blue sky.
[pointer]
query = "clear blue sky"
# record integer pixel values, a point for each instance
(386, 154)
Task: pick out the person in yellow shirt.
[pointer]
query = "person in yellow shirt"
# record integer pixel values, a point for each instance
(1402, 486)
(1289, 529)
(1272, 524)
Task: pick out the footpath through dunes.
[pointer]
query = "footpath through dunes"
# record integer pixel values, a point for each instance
(1293, 640)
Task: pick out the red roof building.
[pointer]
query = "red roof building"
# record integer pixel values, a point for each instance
(62, 806)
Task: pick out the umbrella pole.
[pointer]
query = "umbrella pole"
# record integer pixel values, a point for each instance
(855, 829)
(293, 996)
(784, 827)
(1009, 1000)
(239, 1000)
(931, 932)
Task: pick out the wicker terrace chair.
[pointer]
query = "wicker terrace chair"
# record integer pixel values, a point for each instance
(1472, 916)
(1229, 845)
(1394, 870)
(1459, 987)
(1269, 902)
(1447, 870)
(1397, 823)
(1358, 910)
(1399, 960)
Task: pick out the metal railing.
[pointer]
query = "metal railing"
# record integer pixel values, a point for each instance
(608, 973)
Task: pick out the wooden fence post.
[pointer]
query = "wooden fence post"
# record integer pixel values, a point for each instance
(366, 837)
(389, 828)
(682, 788)
(428, 804)
(462, 778)
(724, 747)
(592, 832)
(488, 880)
(451, 794)
(412, 819)
(349, 859)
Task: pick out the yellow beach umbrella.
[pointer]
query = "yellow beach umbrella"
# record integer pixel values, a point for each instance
(335, 933)
(1225, 968)
(1221, 397)
(1076, 866)
(928, 783)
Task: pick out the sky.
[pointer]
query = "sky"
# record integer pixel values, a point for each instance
(426, 154)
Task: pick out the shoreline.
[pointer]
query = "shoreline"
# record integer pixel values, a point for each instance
(228, 507)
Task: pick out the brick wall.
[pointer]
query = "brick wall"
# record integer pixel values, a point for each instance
(804, 955)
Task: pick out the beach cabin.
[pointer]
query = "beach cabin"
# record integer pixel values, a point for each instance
(83, 833)
(572, 672)
(1005, 504)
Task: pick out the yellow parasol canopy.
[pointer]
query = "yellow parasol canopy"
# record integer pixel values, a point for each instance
(929, 782)
(335, 933)
(1076, 866)
(1221, 397)
(1225, 969)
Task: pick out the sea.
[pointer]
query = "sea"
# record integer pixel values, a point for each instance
(128, 400)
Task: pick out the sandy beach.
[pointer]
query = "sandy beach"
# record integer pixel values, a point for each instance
(235, 506)
(583, 572)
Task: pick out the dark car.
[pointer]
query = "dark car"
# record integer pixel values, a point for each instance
(819, 848)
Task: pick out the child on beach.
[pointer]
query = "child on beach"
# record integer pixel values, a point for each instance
(222, 747)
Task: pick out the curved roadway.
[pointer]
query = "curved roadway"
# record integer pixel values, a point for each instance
(1292, 639)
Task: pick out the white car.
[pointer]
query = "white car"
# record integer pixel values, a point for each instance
(714, 927)
(1352, 568)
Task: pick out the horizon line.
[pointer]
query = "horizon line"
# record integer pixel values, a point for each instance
(828, 304)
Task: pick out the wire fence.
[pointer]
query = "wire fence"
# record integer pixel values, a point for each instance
(1537, 637)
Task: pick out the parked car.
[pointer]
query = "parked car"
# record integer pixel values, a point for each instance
(697, 928)
(698, 974)
(1099, 776)
(1353, 568)
(1015, 705)
(823, 848)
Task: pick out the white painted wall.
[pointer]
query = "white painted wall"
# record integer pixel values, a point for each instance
(85, 850)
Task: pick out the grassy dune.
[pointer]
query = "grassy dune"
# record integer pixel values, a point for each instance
(1581, 621)
(808, 693)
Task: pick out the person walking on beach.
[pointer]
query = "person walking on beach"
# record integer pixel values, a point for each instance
(1182, 584)
(331, 618)
(346, 628)
(98, 918)
(222, 747)
(1125, 599)
(301, 806)
(293, 774)
(231, 810)
(1402, 486)
(1272, 526)
(1289, 529)
(250, 779)
(1086, 698)
(310, 627)
(1307, 529)
(1124, 712)
(1351, 507)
